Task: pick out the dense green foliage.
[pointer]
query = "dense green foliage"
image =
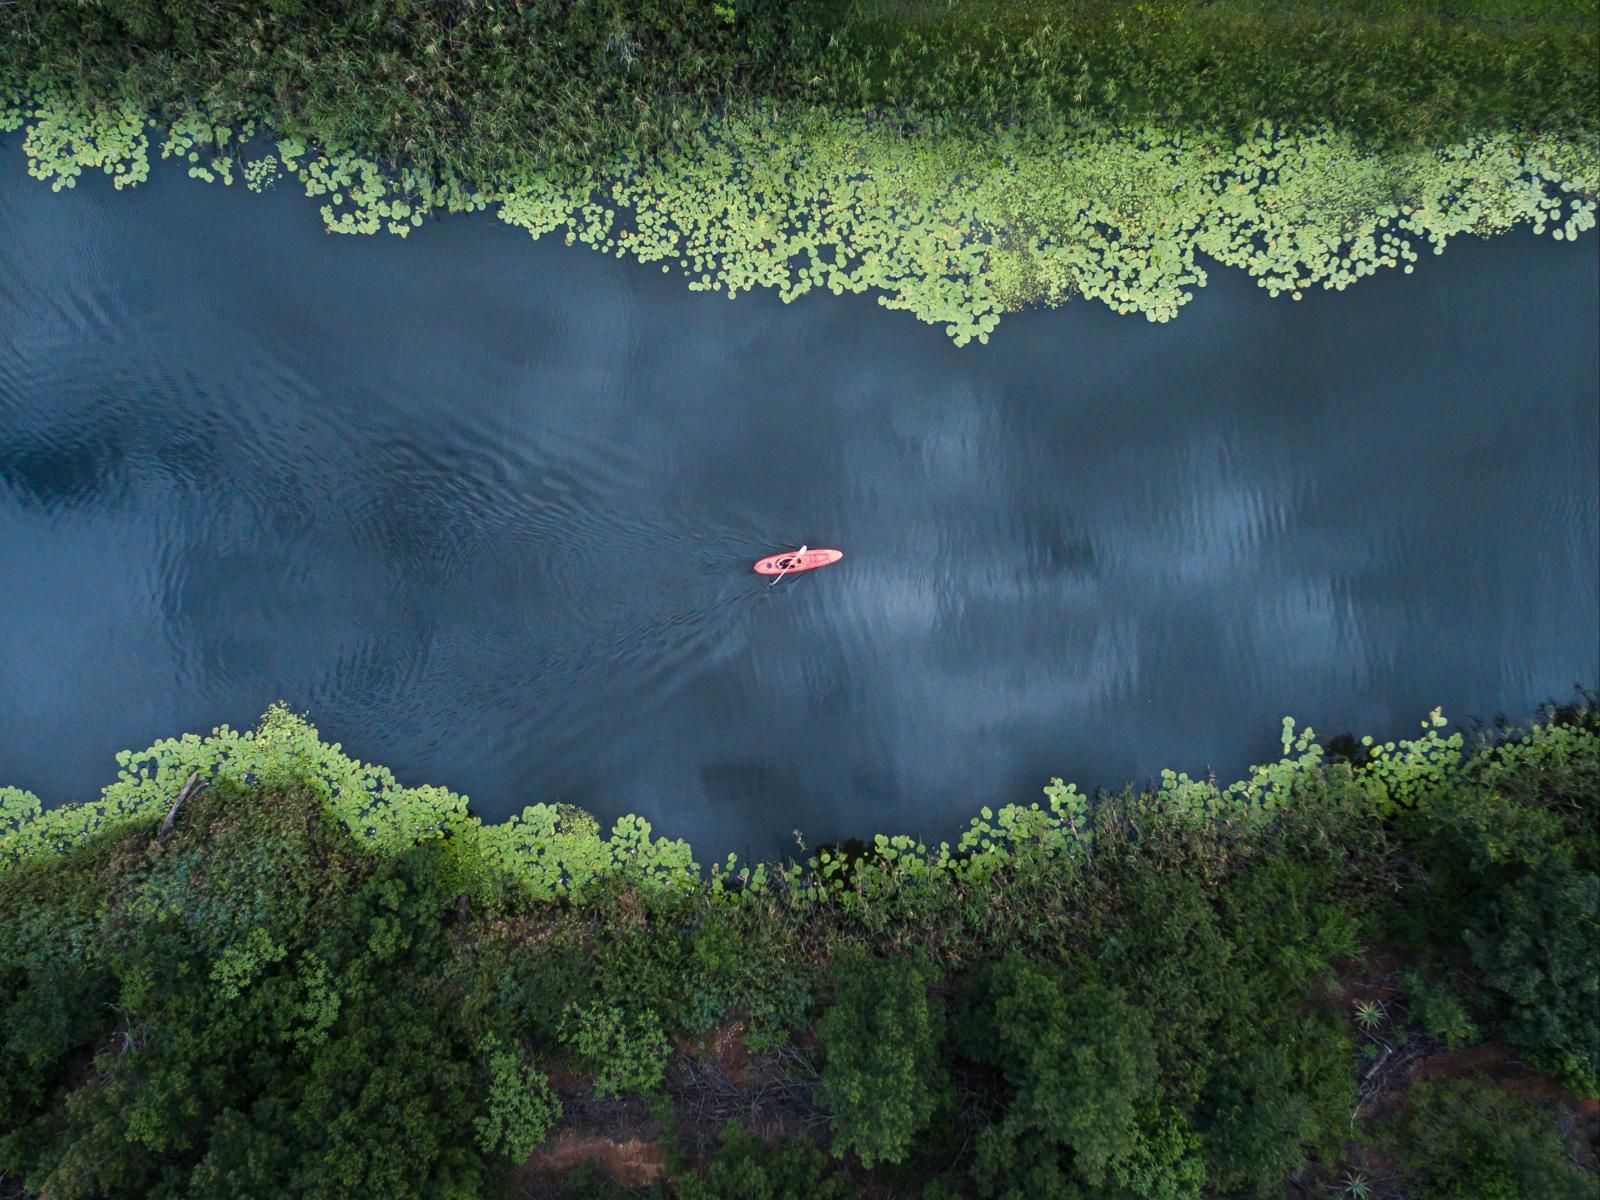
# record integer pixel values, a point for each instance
(1468, 1140)
(749, 1170)
(882, 1081)
(960, 159)
(625, 1054)
(1080, 1066)
(322, 984)
(1517, 887)
(491, 90)
(263, 1014)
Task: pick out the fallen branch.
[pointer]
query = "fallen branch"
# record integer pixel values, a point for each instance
(191, 787)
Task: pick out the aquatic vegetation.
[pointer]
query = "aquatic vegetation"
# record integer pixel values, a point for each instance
(960, 232)
(555, 850)
(64, 136)
(956, 230)
(957, 159)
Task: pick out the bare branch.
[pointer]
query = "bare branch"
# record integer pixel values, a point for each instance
(193, 786)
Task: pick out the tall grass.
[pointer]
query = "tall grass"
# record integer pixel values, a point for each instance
(487, 90)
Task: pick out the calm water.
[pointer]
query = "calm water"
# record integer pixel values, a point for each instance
(486, 509)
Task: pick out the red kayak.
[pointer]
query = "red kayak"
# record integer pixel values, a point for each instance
(792, 561)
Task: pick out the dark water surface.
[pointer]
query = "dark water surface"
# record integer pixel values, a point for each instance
(486, 508)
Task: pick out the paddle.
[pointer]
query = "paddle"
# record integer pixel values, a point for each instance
(793, 558)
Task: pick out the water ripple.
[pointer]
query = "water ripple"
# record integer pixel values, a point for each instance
(488, 510)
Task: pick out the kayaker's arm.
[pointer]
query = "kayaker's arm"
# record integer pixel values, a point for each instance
(788, 562)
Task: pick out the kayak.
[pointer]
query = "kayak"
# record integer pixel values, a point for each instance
(775, 564)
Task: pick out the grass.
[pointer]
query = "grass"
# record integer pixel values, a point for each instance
(489, 90)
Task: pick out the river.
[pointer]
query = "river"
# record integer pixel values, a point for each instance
(486, 509)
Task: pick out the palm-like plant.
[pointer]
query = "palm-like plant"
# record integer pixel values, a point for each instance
(1370, 1014)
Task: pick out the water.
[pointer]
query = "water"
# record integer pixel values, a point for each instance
(486, 508)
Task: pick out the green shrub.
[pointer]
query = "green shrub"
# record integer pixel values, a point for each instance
(1168, 948)
(626, 1051)
(48, 1019)
(1509, 878)
(1468, 1140)
(1538, 946)
(736, 963)
(1438, 1010)
(537, 984)
(883, 1078)
(1166, 1162)
(1290, 1093)
(280, 1020)
(245, 1155)
(747, 1169)
(1079, 1061)
(646, 961)
(521, 1108)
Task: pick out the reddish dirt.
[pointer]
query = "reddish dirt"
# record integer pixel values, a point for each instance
(1500, 1064)
(726, 1045)
(522, 929)
(634, 1163)
(563, 1076)
(1372, 977)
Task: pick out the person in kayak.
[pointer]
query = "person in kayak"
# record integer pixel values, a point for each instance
(790, 561)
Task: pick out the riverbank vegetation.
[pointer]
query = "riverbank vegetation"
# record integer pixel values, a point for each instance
(1367, 969)
(490, 89)
(960, 159)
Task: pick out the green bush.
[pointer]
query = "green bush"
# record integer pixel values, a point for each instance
(1468, 1140)
(645, 960)
(1438, 1010)
(626, 1051)
(747, 1169)
(1166, 1162)
(536, 983)
(1537, 946)
(883, 1078)
(1289, 1094)
(737, 964)
(1510, 863)
(1167, 946)
(521, 1108)
(283, 1028)
(50, 1020)
(1079, 1061)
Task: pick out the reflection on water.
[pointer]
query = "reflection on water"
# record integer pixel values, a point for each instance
(486, 509)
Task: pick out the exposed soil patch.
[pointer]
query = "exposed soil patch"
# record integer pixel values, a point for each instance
(709, 1083)
(1374, 977)
(634, 1162)
(726, 1044)
(1501, 1065)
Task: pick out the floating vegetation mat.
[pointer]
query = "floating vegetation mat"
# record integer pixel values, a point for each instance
(954, 229)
